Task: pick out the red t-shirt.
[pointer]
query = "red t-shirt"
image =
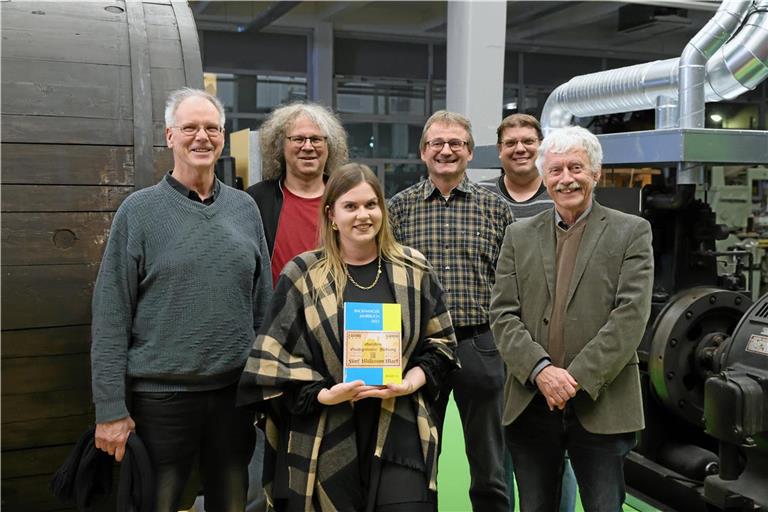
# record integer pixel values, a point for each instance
(296, 229)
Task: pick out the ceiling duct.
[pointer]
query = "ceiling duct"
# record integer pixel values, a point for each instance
(732, 68)
(645, 18)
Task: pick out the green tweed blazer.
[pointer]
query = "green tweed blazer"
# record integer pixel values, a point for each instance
(607, 308)
(310, 459)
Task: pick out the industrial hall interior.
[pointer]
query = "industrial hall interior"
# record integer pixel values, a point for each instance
(567, 198)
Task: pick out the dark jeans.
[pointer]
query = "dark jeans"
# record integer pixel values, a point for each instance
(538, 439)
(179, 427)
(567, 493)
(478, 391)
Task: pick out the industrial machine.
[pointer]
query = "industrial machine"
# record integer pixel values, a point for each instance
(704, 354)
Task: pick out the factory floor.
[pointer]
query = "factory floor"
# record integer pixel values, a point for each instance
(453, 472)
(453, 475)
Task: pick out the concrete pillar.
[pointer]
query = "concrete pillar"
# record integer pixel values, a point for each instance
(475, 64)
(320, 86)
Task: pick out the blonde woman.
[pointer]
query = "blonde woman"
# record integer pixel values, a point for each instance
(334, 445)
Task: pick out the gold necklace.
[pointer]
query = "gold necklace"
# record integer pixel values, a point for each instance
(375, 280)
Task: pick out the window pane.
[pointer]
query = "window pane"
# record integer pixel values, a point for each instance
(251, 124)
(438, 97)
(246, 93)
(397, 140)
(407, 100)
(273, 91)
(360, 140)
(383, 97)
(356, 98)
(225, 91)
(382, 141)
(262, 93)
(398, 177)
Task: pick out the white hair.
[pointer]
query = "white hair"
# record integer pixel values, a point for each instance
(178, 96)
(563, 140)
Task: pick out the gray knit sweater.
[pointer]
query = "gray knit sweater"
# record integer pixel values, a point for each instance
(181, 290)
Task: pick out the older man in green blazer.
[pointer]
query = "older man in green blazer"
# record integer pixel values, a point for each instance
(568, 310)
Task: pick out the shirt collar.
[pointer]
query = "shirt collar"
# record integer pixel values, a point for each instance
(465, 186)
(191, 194)
(561, 224)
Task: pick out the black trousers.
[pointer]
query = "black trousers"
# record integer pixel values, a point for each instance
(179, 428)
(478, 389)
(401, 489)
(538, 439)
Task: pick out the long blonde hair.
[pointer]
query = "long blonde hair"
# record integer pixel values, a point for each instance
(346, 178)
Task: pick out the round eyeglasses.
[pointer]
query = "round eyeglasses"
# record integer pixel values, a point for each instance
(315, 140)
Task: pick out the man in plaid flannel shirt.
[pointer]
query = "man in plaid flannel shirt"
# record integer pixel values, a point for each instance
(459, 226)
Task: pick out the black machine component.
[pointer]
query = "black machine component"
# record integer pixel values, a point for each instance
(684, 235)
(736, 413)
(686, 335)
(705, 369)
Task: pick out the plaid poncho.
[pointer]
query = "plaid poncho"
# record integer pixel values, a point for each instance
(310, 460)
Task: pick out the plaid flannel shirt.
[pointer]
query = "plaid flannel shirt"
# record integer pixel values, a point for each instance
(461, 237)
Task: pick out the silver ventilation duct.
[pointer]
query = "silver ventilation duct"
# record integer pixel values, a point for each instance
(742, 64)
(731, 69)
(691, 71)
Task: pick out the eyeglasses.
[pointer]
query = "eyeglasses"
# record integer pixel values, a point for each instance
(299, 140)
(439, 144)
(211, 130)
(512, 143)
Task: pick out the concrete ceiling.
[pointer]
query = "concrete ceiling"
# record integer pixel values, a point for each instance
(591, 27)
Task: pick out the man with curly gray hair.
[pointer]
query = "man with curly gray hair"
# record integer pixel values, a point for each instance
(301, 145)
(568, 310)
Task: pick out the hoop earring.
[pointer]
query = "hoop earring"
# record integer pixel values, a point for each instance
(334, 226)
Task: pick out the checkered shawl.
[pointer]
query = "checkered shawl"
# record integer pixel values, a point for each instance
(311, 460)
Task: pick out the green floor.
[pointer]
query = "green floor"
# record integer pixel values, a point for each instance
(453, 472)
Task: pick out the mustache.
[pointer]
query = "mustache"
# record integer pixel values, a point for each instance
(567, 188)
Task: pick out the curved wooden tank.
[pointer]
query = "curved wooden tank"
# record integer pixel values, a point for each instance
(83, 91)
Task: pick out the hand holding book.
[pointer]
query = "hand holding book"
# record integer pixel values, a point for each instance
(412, 381)
(340, 392)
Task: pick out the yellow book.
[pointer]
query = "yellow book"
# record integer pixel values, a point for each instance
(373, 343)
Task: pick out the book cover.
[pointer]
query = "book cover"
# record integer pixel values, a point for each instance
(373, 343)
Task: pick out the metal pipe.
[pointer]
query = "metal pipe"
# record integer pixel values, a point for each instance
(667, 112)
(739, 65)
(691, 68)
(742, 64)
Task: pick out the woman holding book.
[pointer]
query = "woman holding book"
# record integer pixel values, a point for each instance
(336, 445)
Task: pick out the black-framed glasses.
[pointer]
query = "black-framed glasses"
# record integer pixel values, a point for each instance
(512, 143)
(439, 144)
(315, 140)
(211, 130)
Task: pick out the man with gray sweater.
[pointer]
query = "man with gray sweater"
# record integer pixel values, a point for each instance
(183, 286)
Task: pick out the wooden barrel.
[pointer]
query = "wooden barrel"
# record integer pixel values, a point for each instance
(83, 92)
